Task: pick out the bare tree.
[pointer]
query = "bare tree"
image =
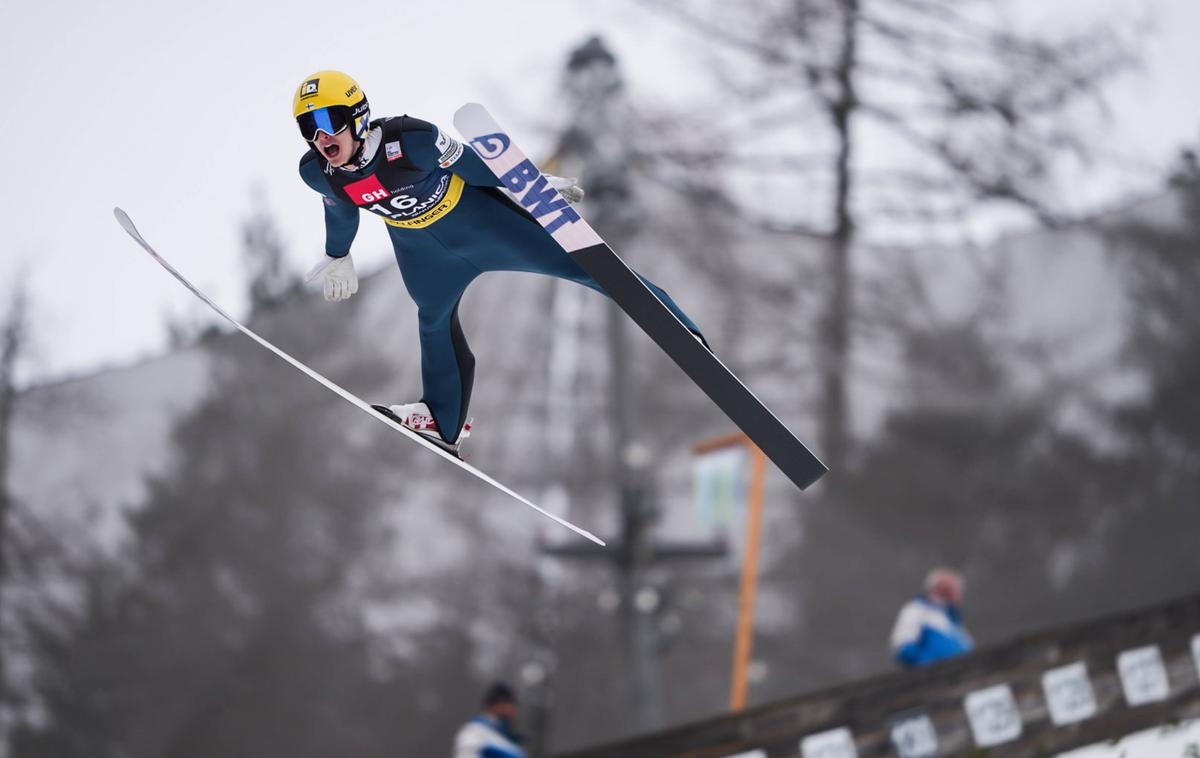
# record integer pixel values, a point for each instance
(13, 333)
(595, 86)
(972, 114)
(270, 279)
(604, 140)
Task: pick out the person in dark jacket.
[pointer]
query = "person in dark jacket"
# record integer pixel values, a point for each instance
(491, 734)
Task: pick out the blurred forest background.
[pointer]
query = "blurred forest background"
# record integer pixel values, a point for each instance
(208, 554)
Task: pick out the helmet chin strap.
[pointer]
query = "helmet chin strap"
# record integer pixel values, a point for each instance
(364, 152)
(356, 157)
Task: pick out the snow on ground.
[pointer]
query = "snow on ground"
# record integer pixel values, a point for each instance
(1160, 742)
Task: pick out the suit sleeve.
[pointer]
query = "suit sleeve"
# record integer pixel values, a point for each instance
(915, 653)
(467, 743)
(478, 741)
(429, 147)
(341, 217)
(907, 640)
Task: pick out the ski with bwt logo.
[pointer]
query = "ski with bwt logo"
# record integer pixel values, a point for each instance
(522, 178)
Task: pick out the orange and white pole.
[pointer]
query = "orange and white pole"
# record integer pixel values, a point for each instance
(748, 591)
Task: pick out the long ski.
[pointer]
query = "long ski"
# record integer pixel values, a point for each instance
(520, 176)
(127, 225)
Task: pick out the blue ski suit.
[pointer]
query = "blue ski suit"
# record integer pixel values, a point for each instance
(449, 222)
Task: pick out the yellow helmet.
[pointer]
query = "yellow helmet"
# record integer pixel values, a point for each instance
(330, 101)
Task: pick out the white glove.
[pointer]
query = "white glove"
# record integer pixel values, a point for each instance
(337, 277)
(568, 188)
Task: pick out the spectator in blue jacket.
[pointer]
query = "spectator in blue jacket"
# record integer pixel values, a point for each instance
(491, 733)
(929, 627)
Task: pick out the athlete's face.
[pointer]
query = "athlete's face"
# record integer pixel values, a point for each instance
(337, 148)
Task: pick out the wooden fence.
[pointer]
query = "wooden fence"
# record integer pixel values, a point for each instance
(1037, 695)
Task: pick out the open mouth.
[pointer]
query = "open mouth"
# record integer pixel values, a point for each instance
(331, 151)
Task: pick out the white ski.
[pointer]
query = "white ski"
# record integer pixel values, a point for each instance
(127, 225)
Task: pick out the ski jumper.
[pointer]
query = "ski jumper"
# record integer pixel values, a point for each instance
(449, 222)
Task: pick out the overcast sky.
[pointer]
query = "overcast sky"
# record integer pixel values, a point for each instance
(179, 113)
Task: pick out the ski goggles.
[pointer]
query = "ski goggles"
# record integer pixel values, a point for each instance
(332, 120)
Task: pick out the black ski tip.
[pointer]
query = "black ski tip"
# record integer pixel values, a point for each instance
(383, 409)
(810, 476)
